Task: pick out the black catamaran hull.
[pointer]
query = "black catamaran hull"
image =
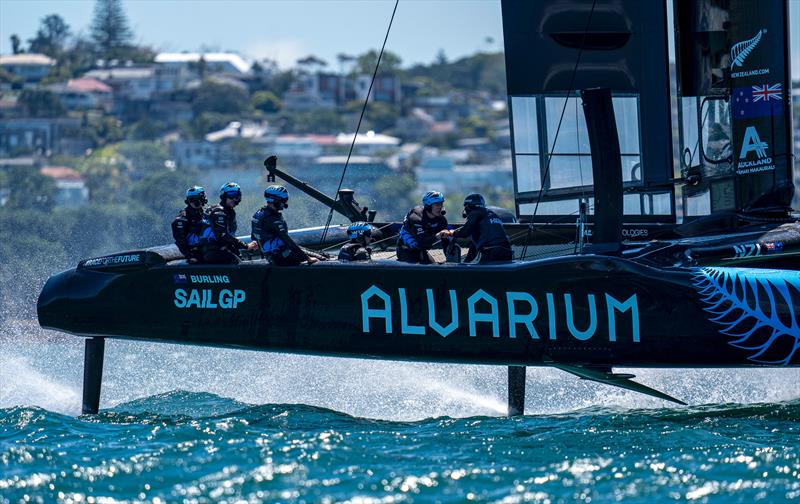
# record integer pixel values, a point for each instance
(582, 310)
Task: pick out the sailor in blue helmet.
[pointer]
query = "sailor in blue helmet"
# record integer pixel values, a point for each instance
(191, 228)
(485, 229)
(421, 229)
(357, 249)
(271, 233)
(225, 248)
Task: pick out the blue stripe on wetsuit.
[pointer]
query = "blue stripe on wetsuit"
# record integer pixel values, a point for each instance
(206, 236)
(273, 245)
(408, 238)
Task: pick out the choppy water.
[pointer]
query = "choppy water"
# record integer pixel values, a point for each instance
(206, 425)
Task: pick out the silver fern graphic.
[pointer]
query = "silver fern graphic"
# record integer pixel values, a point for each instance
(740, 51)
(748, 301)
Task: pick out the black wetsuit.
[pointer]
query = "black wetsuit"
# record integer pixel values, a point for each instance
(489, 238)
(355, 251)
(190, 230)
(272, 235)
(225, 247)
(418, 235)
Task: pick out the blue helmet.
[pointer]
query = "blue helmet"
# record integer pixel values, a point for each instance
(196, 193)
(359, 229)
(275, 193)
(230, 190)
(432, 197)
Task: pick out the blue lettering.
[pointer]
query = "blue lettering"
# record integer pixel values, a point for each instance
(588, 333)
(180, 298)
(367, 313)
(514, 318)
(405, 328)
(475, 317)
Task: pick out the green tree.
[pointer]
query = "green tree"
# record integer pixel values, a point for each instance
(207, 122)
(380, 116)
(266, 101)
(107, 176)
(15, 44)
(41, 103)
(30, 189)
(147, 129)
(220, 98)
(396, 194)
(51, 38)
(163, 191)
(390, 62)
(110, 30)
(143, 158)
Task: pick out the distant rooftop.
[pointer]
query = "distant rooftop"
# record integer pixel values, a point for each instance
(120, 73)
(369, 138)
(26, 59)
(236, 129)
(88, 85)
(340, 160)
(61, 173)
(234, 59)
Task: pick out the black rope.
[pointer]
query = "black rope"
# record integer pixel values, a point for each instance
(558, 129)
(358, 127)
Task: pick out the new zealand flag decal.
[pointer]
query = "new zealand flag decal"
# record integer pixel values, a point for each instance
(757, 101)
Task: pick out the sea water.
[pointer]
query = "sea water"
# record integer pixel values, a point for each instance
(193, 424)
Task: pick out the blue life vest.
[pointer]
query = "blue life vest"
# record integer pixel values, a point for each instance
(201, 233)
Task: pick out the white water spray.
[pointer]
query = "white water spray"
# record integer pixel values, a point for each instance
(42, 368)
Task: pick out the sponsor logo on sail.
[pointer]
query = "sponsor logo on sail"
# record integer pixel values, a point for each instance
(752, 143)
(536, 316)
(739, 53)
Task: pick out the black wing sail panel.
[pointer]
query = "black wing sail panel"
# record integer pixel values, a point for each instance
(734, 97)
(622, 45)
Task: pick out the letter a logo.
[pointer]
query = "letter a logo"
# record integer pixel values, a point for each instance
(752, 142)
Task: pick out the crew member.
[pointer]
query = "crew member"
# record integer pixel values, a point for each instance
(357, 249)
(191, 228)
(271, 234)
(422, 227)
(224, 248)
(485, 229)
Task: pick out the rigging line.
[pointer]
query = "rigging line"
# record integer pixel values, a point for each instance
(360, 118)
(580, 172)
(558, 129)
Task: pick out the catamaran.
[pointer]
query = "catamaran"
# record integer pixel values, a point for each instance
(629, 252)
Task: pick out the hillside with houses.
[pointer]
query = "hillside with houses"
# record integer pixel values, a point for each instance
(99, 137)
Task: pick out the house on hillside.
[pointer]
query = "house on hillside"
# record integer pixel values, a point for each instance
(218, 148)
(186, 66)
(84, 94)
(41, 136)
(325, 90)
(369, 143)
(71, 190)
(30, 67)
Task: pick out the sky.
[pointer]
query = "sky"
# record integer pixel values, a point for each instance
(286, 30)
